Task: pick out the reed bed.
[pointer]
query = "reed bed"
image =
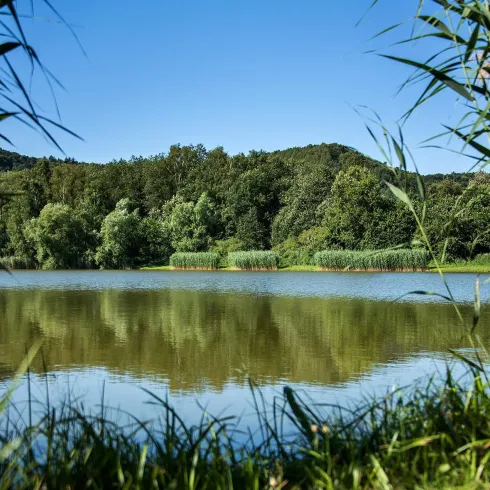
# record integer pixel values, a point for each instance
(376, 260)
(254, 260)
(13, 262)
(435, 436)
(195, 261)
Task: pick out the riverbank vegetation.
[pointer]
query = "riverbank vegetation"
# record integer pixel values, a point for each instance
(382, 260)
(197, 260)
(433, 436)
(253, 260)
(327, 260)
(295, 202)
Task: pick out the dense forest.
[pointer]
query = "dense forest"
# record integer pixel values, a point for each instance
(68, 214)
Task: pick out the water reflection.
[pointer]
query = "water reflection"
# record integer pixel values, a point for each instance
(206, 339)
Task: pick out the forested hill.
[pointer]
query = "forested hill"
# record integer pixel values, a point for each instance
(299, 200)
(9, 160)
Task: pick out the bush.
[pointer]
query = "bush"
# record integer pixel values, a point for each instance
(291, 253)
(254, 260)
(482, 259)
(386, 260)
(224, 247)
(301, 250)
(196, 260)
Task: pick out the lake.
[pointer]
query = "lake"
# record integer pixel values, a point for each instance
(197, 337)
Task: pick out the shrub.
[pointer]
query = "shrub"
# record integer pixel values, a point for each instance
(224, 247)
(482, 259)
(387, 260)
(254, 260)
(290, 253)
(300, 251)
(196, 260)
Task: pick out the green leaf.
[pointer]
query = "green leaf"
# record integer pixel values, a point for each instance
(7, 47)
(401, 195)
(439, 75)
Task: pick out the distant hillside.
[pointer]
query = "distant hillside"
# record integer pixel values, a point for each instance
(317, 154)
(311, 154)
(9, 160)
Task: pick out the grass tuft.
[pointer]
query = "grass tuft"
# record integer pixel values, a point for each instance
(196, 261)
(254, 260)
(382, 260)
(433, 436)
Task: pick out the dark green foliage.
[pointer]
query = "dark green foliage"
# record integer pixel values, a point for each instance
(196, 260)
(296, 201)
(155, 246)
(457, 222)
(10, 160)
(357, 206)
(386, 260)
(254, 260)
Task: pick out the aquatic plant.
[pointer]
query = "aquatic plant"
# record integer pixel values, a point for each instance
(197, 260)
(254, 260)
(385, 260)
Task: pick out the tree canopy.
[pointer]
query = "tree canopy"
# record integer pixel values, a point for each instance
(298, 201)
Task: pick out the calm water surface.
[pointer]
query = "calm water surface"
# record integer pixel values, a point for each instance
(197, 336)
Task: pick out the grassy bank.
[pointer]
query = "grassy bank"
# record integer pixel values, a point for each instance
(294, 268)
(474, 267)
(470, 266)
(436, 436)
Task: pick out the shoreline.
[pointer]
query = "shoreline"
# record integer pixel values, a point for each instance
(453, 269)
(456, 268)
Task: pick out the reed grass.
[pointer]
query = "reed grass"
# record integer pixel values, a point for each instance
(253, 260)
(13, 262)
(382, 260)
(197, 260)
(433, 436)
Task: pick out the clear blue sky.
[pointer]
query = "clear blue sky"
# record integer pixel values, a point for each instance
(242, 74)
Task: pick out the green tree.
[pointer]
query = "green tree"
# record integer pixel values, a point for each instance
(253, 200)
(300, 250)
(458, 224)
(16, 214)
(357, 204)
(190, 226)
(67, 184)
(37, 185)
(58, 237)
(156, 244)
(120, 236)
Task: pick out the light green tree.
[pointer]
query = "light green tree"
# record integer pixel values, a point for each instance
(120, 237)
(190, 225)
(58, 237)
